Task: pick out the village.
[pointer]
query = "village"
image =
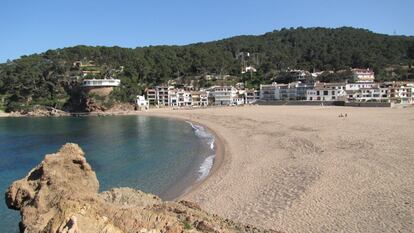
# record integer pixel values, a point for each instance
(363, 90)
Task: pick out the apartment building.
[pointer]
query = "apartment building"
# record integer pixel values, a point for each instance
(251, 96)
(363, 75)
(199, 98)
(223, 95)
(162, 95)
(327, 92)
(151, 96)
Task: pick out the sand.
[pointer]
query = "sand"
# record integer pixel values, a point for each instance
(304, 169)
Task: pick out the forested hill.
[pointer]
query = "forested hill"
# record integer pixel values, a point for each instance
(46, 78)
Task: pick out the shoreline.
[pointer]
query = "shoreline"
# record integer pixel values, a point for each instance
(194, 183)
(219, 149)
(298, 169)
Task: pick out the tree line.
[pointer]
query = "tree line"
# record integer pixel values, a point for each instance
(47, 78)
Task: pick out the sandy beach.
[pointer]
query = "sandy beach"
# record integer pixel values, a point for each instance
(304, 169)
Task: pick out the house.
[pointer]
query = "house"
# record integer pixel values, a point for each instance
(327, 92)
(251, 96)
(162, 95)
(247, 69)
(100, 87)
(142, 103)
(173, 97)
(101, 82)
(238, 100)
(179, 98)
(223, 95)
(151, 96)
(184, 98)
(357, 86)
(301, 90)
(199, 98)
(291, 91)
(363, 75)
(269, 92)
(299, 74)
(400, 92)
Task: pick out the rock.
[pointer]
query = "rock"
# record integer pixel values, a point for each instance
(61, 195)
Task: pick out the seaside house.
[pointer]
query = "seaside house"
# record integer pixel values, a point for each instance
(96, 83)
(400, 92)
(238, 100)
(292, 91)
(363, 75)
(142, 103)
(184, 98)
(223, 95)
(302, 89)
(101, 87)
(327, 92)
(162, 95)
(151, 96)
(199, 98)
(179, 98)
(173, 97)
(251, 96)
(269, 92)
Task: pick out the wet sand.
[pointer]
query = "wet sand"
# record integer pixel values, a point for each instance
(304, 169)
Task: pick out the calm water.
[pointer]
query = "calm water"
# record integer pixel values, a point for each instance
(157, 155)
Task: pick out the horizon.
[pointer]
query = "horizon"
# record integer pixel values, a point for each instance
(37, 27)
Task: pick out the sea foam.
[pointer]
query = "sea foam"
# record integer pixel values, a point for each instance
(207, 164)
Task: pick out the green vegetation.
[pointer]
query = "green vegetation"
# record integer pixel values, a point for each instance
(187, 225)
(47, 78)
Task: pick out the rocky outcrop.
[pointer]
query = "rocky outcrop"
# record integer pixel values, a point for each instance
(43, 111)
(61, 195)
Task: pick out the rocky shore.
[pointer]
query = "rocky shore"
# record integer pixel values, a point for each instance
(61, 195)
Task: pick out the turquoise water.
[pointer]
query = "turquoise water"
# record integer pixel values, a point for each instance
(157, 155)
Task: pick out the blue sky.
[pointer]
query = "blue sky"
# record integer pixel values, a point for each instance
(34, 26)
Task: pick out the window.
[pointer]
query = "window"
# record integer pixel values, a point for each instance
(325, 93)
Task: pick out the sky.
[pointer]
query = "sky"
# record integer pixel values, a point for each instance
(34, 26)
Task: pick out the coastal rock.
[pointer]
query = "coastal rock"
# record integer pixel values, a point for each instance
(61, 195)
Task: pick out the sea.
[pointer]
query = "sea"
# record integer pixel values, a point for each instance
(158, 155)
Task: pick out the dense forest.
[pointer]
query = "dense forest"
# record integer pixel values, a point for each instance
(46, 78)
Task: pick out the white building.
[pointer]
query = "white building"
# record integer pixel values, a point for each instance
(141, 102)
(179, 98)
(251, 96)
(151, 96)
(363, 75)
(357, 86)
(239, 100)
(184, 98)
(162, 95)
(223, 95)
(327, 92)
(199, 98)
(248, 69)
(101, 82)
(400, 92)
(269, 91)
(291, 91)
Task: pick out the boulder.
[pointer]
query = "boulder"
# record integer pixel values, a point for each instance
(61, 195)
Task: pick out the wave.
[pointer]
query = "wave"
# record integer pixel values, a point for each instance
(207, 164)
(205, 167)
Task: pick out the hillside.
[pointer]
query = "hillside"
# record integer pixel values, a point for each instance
(47, 78)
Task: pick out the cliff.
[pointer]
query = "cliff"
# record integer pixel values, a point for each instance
(61, 195)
